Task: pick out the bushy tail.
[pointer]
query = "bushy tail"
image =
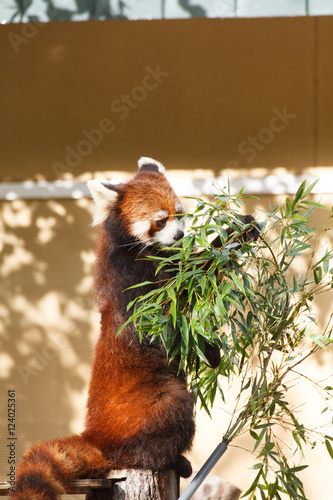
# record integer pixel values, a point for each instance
(47, 466)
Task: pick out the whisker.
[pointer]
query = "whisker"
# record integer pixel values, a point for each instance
(131, 245)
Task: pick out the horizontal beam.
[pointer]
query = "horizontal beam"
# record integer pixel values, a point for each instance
(184, 186)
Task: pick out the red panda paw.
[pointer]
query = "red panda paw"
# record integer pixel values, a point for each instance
(213, 355)
(182, 466)
(253, 232)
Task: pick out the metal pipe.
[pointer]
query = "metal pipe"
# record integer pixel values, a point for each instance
(203, 472)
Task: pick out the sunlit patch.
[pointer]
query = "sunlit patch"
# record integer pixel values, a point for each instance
(6, 365)
(46, 227)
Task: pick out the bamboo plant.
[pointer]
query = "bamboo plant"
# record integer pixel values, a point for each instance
(254, 303)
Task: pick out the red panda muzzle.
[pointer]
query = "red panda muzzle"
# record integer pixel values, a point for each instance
(179, 235)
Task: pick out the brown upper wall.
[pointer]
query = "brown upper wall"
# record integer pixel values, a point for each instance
(188, 92)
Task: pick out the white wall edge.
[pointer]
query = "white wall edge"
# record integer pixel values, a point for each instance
(184, 186)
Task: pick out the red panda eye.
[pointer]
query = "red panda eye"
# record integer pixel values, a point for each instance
(161, 223)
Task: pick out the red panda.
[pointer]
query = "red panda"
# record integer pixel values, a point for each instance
(146, 408)
(139, 410)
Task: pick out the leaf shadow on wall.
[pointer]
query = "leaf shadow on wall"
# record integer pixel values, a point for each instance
(48, 319)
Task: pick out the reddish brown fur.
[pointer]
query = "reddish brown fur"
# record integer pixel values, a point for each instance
(161, 197)
(47, 466)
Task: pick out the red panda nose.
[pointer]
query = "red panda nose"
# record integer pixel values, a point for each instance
(179, 235)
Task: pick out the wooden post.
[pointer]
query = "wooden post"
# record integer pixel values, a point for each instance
(144, 485)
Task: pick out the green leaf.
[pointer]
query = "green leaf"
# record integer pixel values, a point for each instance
(326, 264)
(288, 207)
(309, 189)
(272, 489)
(320, 339)
(185, 331)
(314, 204)
(144, 283)
(317, 274)
(219, 307)
(254, 435)
(262, 434)
(253, 485)
(226, 289)
(253, 405)
(299, 217)
(298, 468)
(297, 440)
(173, 313)
(237, 282)
(255, 466)
(329, 448)
(299, 194)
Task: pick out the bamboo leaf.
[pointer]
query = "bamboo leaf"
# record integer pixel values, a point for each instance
(185, 331)
(309, 189)
(299, 194)
(237, 282)
(298, 468)
(329, 448)
(317, 274)
(314, 204)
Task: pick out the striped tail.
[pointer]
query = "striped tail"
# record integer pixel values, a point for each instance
(46, 467)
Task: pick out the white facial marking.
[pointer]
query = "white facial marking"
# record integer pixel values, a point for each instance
(140, 230)
(162, 214)
(167, 235)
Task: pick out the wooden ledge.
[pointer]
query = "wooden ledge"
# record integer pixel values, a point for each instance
(125, 484)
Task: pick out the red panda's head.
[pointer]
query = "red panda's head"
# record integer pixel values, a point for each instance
(147, 206)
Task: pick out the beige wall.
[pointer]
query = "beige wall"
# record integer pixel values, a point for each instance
(49, 325)
(224, 80)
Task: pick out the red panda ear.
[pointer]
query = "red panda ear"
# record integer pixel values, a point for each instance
(150, 165)
(105, 196)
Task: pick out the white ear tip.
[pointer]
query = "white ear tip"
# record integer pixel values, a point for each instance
(104, 199)
(93, 184)
(145, 161)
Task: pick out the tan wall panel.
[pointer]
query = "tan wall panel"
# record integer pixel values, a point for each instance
(224, 79)
(48, 322)
(324, 104)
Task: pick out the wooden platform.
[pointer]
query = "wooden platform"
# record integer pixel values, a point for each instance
(127, 484)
